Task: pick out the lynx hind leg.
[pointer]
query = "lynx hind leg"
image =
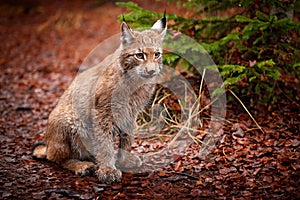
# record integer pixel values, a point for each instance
(69, 152)
(39, 150)
(82, 168)
(127, 160)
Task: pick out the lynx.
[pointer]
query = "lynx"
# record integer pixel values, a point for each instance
(102, 104)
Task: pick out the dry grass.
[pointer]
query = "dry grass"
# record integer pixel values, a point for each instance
(169, 120)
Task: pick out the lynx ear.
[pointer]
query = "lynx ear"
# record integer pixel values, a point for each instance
(127, 34)
(161, 25)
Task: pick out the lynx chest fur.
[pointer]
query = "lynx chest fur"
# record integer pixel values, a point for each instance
(102, 103)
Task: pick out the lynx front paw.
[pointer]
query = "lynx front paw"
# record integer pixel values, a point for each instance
(127, 160)
(108, 175)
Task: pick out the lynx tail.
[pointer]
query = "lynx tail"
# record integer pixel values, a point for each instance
(39, 150)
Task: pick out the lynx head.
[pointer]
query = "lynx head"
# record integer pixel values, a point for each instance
(141, 52)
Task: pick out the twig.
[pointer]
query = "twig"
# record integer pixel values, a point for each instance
(246, 110)
(187, 175)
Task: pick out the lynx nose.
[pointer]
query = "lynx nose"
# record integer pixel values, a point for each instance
(151, 72)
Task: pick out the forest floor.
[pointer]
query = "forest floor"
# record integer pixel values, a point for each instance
(43, 43)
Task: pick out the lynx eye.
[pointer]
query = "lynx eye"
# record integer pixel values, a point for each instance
(157, 55)
(140, 56)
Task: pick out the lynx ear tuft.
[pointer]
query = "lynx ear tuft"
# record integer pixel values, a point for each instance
(161, 24)
(127, 34)
(124, 19)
